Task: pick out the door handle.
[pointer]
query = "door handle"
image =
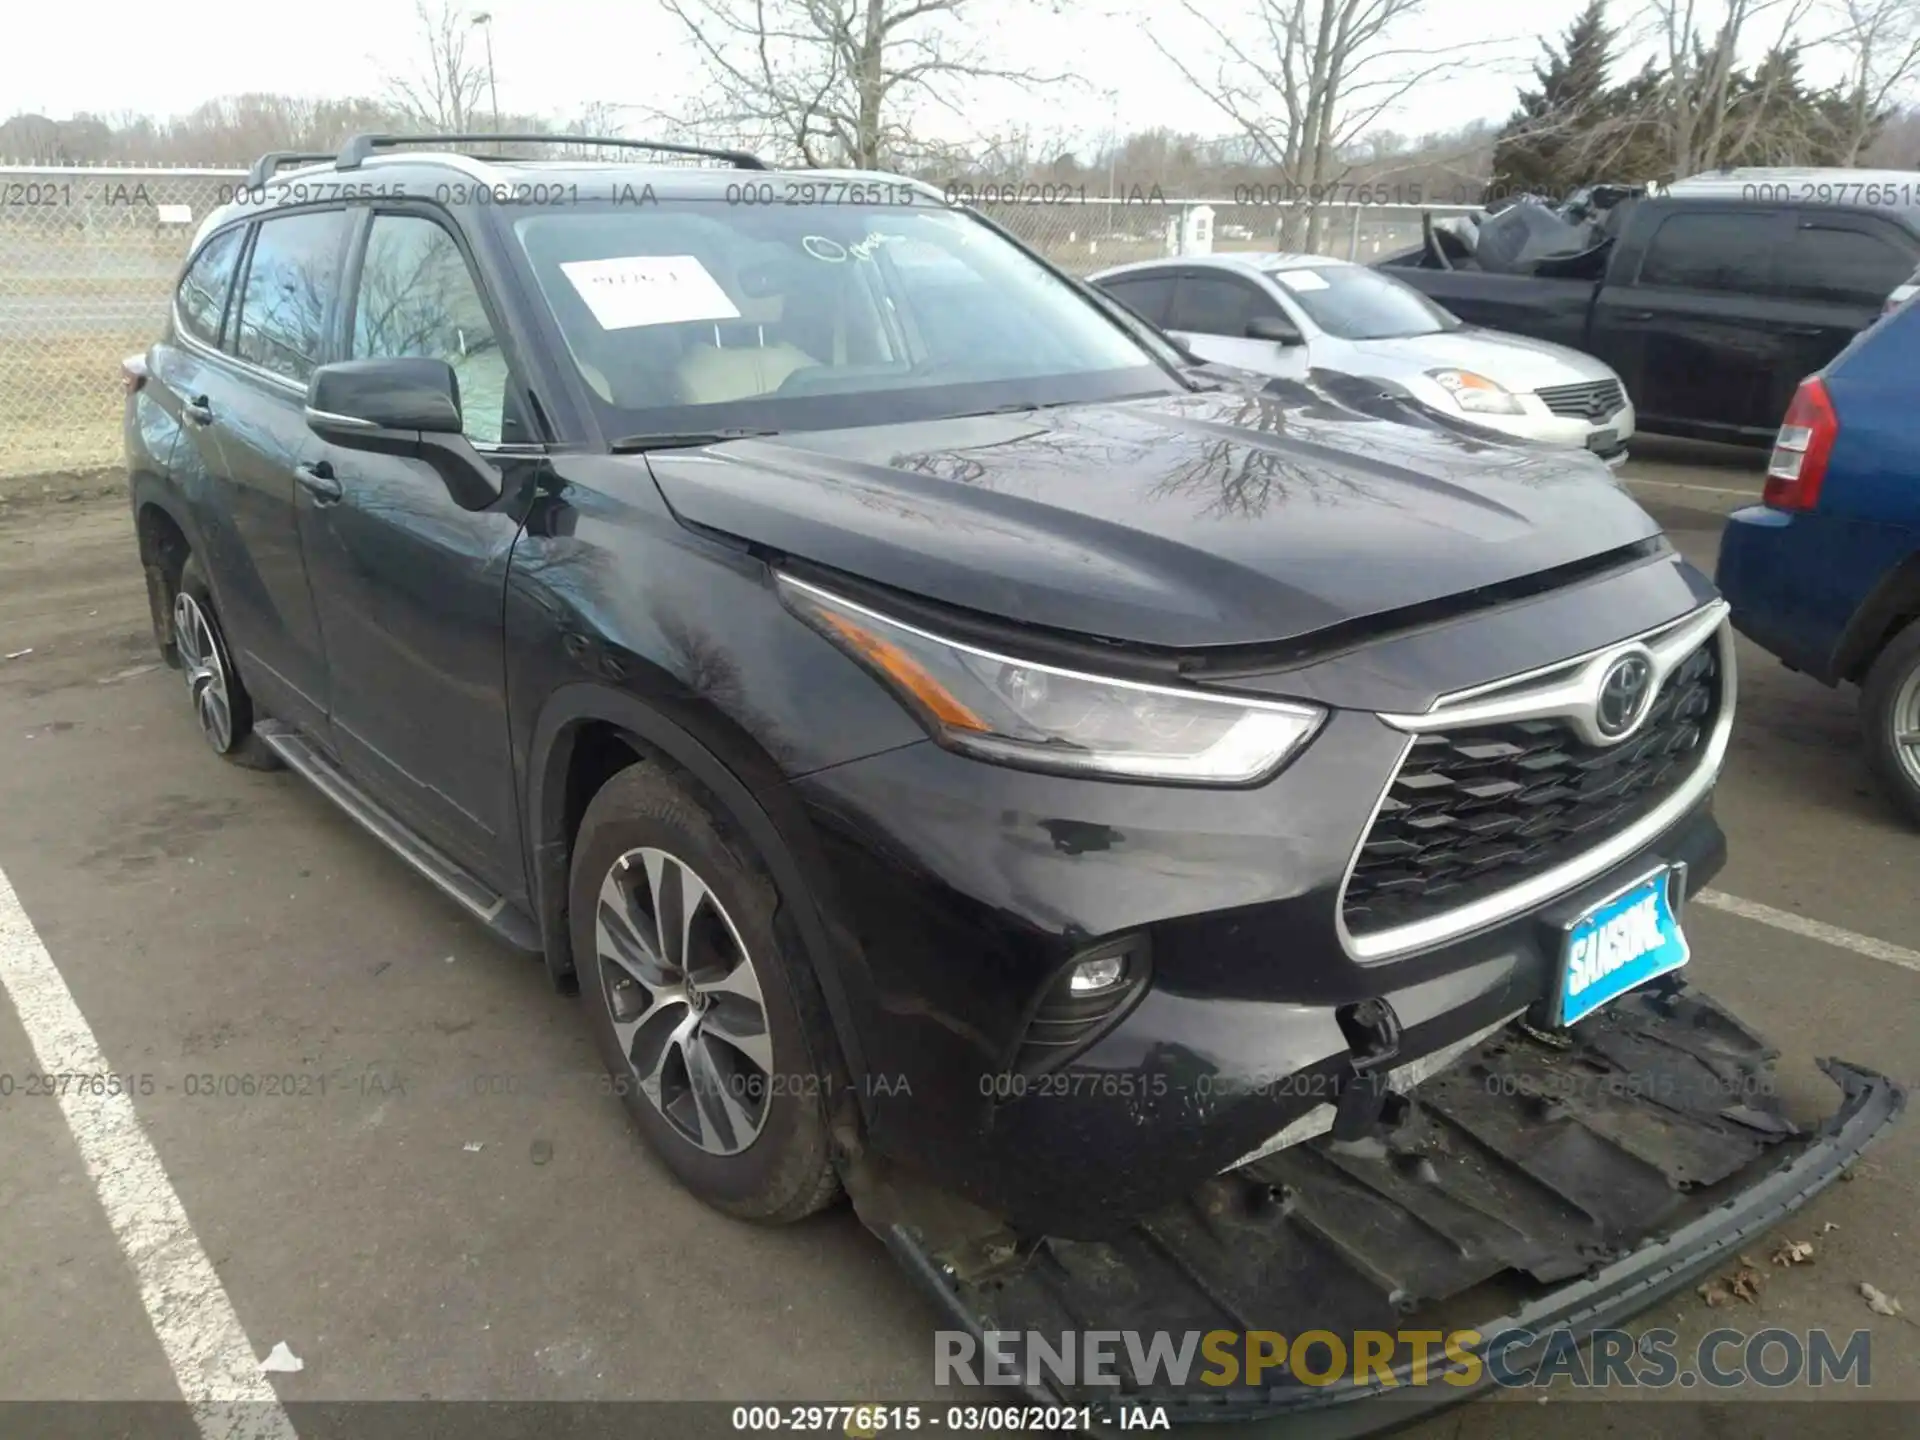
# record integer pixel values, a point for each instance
(197, 411)
(1809, 330)
(318, 480)
(1634, 315)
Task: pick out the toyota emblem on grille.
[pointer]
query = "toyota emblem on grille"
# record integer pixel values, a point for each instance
(1626, 690)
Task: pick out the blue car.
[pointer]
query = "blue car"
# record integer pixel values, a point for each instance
(1825, 572)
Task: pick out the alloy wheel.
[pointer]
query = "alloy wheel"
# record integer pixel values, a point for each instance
(206, 671)
(686, 1003)
(1906, 725)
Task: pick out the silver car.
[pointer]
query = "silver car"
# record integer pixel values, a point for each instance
(1283, 315)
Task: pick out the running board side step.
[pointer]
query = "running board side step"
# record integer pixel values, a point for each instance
(473, 895)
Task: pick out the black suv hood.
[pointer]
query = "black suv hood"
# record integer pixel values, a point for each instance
(1221, 518)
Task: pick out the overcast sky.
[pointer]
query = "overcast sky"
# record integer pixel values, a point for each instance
(554, 56)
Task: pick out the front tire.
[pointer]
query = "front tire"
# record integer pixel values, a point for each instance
(706, 1018)
(1890, 720)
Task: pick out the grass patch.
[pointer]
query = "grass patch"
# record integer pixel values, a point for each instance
(61, 401)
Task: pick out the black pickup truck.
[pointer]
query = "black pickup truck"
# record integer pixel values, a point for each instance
(1712, 299)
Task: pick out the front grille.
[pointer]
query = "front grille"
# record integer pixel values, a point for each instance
(1474, 811)
(1593, 400)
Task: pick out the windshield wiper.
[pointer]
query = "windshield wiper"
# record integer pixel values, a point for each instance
(682, 439)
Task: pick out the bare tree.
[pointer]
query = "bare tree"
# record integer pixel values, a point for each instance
(1881, 40)
(1701, 42)
(1303, 79)
(1897, 145)
(445, 92)
(836, 82)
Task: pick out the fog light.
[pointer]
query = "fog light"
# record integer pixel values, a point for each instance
(1087, 996)
(1090, 977)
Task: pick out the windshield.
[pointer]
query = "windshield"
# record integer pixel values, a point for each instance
(699, 314)
(1351, 302)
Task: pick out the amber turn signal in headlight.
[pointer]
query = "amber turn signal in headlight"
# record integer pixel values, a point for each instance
(1041, 717)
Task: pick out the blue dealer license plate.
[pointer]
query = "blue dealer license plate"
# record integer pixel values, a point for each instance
(1619, 944)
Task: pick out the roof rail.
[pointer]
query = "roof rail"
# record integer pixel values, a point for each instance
(359, 147)
(263, 169)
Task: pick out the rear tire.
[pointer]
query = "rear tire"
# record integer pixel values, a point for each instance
(222, 708)
(1890, 721)
(707, 1018)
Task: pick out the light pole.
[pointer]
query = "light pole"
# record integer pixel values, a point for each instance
(484, 20)
(1113, 152)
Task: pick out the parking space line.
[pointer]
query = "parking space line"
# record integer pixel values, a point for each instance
(1812, 929)
(212, 1359)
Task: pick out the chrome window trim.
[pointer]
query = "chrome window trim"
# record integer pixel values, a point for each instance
(189, 341)
(257, 372)
(193, 258)
(505, 449)
(214, 352)
(1516, 698)
(214, 225)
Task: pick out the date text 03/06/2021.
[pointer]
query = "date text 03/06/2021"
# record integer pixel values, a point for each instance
(865, 1422)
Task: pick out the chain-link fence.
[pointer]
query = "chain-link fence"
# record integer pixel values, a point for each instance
(89, 257)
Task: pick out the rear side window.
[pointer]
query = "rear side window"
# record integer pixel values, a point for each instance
(203, 289)
(418, 298)
(1841, 265)
(290, 283)
(1720, 251)
(1148, 296)
(1214, 305)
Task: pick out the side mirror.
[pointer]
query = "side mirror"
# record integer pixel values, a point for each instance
(1274, 328)
(355, 396)
(406, 406)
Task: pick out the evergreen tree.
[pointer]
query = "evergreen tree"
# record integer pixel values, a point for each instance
(1798, 125)
(1628, 144)
(1774, 118)
(1542, 148)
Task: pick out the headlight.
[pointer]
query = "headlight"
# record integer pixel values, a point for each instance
(1040, 717)
(1477, 393)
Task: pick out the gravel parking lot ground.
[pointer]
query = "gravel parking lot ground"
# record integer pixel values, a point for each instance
(426, 1194)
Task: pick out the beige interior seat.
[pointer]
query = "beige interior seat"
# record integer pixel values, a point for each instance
(712, 374)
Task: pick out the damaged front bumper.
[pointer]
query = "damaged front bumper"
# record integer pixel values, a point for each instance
(1543, 1183)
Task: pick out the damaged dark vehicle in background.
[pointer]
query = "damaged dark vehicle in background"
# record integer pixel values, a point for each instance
(1177, 856)
(1712, 298)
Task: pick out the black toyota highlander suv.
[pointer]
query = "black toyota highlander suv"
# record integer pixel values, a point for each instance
(1153, 842)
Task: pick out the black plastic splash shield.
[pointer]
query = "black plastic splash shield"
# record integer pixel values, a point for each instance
(1531, 1187)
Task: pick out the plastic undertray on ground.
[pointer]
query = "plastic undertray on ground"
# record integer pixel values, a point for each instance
(1540, 1182)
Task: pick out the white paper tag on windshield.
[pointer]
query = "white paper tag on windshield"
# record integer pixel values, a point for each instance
(1300, 279)
(632, 290)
